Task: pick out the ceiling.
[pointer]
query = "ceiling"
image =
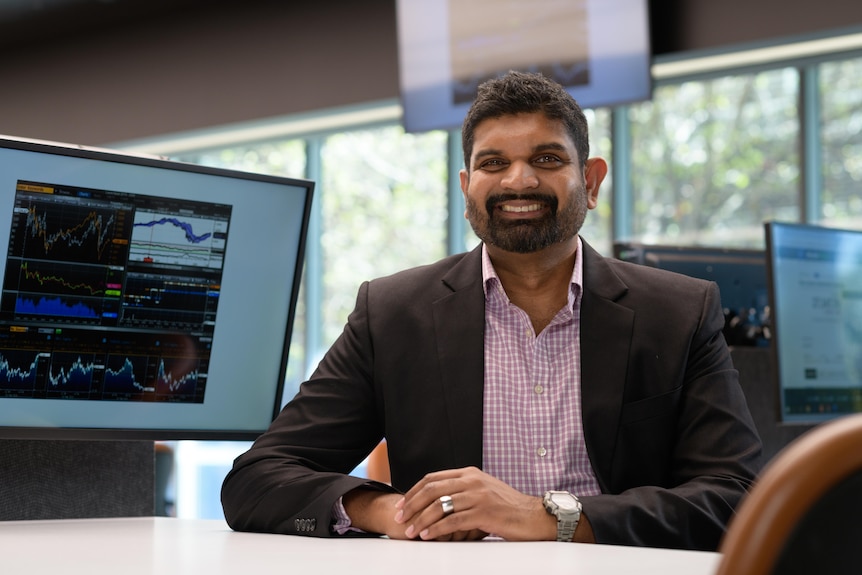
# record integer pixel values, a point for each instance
(48, 21)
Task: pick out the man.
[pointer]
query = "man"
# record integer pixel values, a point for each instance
(530, 389)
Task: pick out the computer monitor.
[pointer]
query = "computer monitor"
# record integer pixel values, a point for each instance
(815, 291)
(739, 273)
(143, 298)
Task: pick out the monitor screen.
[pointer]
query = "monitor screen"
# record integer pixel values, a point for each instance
(739, 273)
(143, 298)
(815, 289)
(598, 49)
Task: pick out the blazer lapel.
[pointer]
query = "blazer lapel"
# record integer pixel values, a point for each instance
(459, 323)
(606, 330)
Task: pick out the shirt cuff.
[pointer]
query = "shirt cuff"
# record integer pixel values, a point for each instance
(342, 523)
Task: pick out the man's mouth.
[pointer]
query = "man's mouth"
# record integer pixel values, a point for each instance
(521, 209)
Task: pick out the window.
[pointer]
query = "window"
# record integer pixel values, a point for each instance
(711, 160)
(597, 227)
(383, 195)
(286, 158)
(841, 95)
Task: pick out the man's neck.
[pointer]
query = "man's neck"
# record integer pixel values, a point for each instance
(536, 270)
(537, 282)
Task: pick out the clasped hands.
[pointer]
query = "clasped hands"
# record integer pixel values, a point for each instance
(482, 505)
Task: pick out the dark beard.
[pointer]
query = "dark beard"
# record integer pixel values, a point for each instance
(527, 235)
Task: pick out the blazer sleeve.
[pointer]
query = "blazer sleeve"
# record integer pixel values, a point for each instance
(408, 366)
(290, 479)
(686, 451)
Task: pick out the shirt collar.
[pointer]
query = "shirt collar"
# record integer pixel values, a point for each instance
(490, 280)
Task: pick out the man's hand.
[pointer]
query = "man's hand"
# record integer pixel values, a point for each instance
(483, 505)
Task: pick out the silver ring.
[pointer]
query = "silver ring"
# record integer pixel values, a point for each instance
(448, 506)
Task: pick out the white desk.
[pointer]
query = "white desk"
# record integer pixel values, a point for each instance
(166, 546)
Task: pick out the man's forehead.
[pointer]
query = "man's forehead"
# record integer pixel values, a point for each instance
(523, 133)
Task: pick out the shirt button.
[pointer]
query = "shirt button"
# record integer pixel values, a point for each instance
(539, 389)
(541, 452)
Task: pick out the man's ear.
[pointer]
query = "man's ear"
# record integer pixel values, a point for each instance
(465, 182)
(595, 170)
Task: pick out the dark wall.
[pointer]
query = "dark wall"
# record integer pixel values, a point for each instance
(93, 72)
(49, 479)
(685, 25)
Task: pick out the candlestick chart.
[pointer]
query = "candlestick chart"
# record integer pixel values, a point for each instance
(70, 233)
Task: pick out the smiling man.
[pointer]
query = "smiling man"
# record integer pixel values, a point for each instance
(530, 389)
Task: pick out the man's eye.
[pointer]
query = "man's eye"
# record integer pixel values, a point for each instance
(492, 164)
(547, 158)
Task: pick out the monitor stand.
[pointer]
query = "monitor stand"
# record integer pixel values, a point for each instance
(60, 479)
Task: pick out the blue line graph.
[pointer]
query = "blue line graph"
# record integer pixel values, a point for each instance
(187, 240)
(77, 376)
(14, 377)
(176, 378)
(185, 226)
(123, 379)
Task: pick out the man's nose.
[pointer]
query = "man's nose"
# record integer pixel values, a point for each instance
(520, 176)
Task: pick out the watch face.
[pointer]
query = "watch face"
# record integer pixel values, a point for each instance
(565, 501)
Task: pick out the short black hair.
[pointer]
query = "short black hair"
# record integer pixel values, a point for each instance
(525, 93)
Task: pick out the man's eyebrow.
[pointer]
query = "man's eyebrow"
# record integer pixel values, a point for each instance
(486, 153)
(548, 146)
(556, 146)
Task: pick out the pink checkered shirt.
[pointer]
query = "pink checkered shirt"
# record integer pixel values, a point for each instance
(533, 439)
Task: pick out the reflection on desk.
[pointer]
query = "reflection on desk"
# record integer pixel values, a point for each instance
(166, 545)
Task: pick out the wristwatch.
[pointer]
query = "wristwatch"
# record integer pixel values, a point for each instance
(567, 509)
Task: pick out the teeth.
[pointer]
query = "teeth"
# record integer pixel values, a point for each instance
(530, 208)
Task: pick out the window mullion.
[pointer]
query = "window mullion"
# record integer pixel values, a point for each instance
(622, 200)
(455, 229)
(811, 182)
(313, 259)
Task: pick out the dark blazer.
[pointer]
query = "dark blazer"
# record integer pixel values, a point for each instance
(667, 427)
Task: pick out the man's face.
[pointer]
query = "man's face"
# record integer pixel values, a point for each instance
(525, 190)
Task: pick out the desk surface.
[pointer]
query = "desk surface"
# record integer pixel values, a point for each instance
(166, 546)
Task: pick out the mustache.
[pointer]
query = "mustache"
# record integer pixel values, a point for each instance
(497, 199)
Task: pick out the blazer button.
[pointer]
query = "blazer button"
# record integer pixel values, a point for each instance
(305, 525)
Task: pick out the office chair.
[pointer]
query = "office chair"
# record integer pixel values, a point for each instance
(378, 464)
(804, 513)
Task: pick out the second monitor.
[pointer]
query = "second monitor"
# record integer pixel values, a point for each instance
(740, 275)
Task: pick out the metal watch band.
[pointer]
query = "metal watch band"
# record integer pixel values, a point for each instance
(566, 528)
